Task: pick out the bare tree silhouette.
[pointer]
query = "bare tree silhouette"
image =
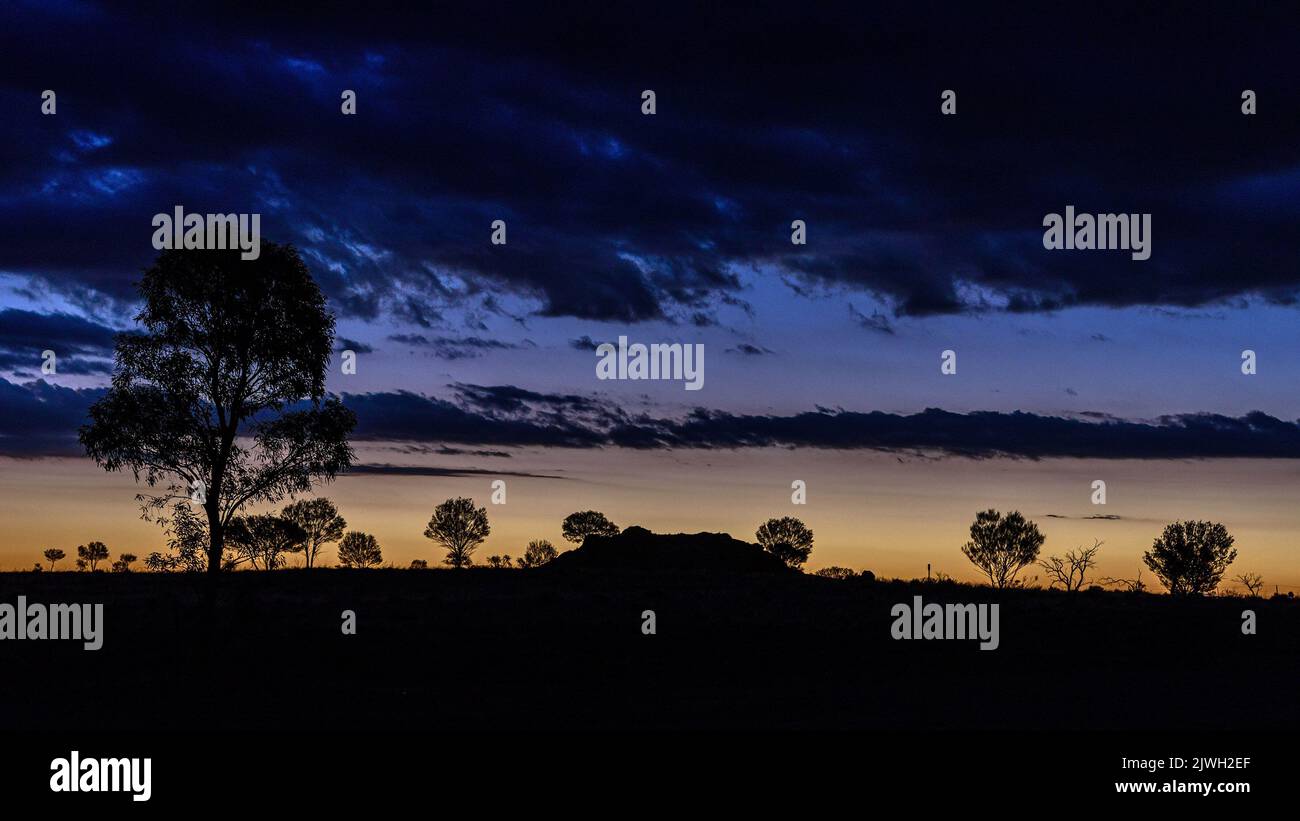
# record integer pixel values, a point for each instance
(53, 555)
(787, 538)
(578, 526)
(1127, 585)
(460, 528)
(1191, 557)
(1253, 582)
(1001, 546)
(320, 520)
(358, 549)
(222, 397)
(1072, 571)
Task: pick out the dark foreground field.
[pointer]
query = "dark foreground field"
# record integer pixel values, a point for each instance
(549, 650)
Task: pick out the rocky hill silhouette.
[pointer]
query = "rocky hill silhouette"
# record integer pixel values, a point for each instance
(639, 549)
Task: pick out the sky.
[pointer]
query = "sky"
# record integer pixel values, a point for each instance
(822, 361)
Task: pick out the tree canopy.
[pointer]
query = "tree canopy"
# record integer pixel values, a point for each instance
(787, 538)
(358, 549)
(578, 526)
(1191, 557)
(320, 520)
(221, 397)
(459, 527)
(1001, 545)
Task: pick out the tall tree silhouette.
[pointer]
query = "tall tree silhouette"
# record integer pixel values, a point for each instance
(222, 397)
(53, 555)
(1190, 558)
(460, 528)
(787, 538)
(578, 526)
(321, 521)
(1001, 545)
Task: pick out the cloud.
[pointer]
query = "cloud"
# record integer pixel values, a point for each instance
(37, 418)
(41, 419)
(452, 348)
(876, 322)
(81, 346)
(747, 349)
(617, 216)
(343, 343)
(428, 470)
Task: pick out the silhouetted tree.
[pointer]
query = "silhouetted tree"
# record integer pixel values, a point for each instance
(123, 563)
(188, 540)
(36, 568)
(460, 528)
(321, 522)
(81, 565)
(1071, 572)
(578, 526)
(419, 564)
(157, 562)
(1001, 545)
(92, 554)
(53, 555)
(538, 553)
(359, 549)
(223, 394)
(787, 538)
(1253, 582)
(500, 562)
(834, 572)
(1127, 585)
(1190, 557)
(262, 539)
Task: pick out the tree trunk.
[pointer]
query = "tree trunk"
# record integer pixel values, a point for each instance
(216, 542)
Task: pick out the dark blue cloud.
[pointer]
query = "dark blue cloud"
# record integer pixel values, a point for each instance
(41, 419)
(38, 418)
(81, 347)
(452, 348)
(749, 349)
(830, 115)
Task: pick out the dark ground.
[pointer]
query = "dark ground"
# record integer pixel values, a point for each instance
(482, 649)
